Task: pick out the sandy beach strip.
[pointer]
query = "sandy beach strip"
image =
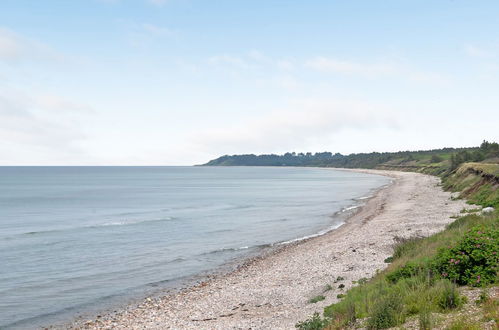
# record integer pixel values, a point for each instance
(273, 292)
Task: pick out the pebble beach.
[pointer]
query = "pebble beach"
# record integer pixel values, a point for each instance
(273, 291)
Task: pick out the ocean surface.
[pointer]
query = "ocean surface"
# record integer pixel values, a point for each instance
(76, 238)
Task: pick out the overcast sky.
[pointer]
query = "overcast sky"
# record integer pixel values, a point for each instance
(179, 82)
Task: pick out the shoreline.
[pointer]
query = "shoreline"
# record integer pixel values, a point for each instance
(78, 319)
(124, 300)
(272, 289)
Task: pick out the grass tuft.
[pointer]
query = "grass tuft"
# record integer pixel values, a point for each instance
(316, 299)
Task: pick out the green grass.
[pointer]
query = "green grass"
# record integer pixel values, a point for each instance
(491, 169)
(423, 274)
(316, 299)
(425, 319)
(328, 288)
(315, 322)
(409, 286)
(463, 324)
(478, 189)
(486, 195)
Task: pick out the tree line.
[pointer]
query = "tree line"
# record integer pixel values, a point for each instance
(455, 157)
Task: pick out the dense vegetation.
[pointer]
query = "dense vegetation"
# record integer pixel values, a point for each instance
(425, 274)
(429, 161)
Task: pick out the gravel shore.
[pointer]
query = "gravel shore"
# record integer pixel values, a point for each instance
(273, 292)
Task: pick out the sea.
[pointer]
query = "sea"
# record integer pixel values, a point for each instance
(78, 239)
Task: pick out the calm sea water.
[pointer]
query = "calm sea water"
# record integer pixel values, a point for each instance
(74, 237)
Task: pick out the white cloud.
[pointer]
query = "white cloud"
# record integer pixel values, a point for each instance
(14, 48)
(475, 51)
(286, 65)
(299, 126)
(56, 103)
(257, 56)
(254, 59)
(230, 60)
(374, 70)
(325, 64)
(10, 46)
(157, 30)
(43, 124)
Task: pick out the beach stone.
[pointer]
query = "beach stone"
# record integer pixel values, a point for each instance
(488, 210)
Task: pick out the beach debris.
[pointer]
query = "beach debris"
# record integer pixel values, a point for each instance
(488, 210)
(203, 320)
(227, 315)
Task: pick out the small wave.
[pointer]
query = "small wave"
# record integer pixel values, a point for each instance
(43, 231)
(114, 223)
(230, 249)
(364, 197)
(345, 209)
(220, 231)
(224, 250)
(131, 222)
(278, 220)
(322, 232)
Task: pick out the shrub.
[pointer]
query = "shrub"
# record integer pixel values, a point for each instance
(388, 260)
(410, 269)
(473, 261)
(387, 313)
(425, 319)
(341, 286)
(448, 297)
(316, 299)
(315, 322)
(345, 314)
(491, 309)
(403, 246)
(463, 324)
(483, 297)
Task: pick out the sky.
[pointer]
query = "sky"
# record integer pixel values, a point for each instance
(180, 82)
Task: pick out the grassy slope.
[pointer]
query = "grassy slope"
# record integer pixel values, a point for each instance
(411, 288)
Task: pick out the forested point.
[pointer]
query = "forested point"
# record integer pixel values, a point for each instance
(431, 160)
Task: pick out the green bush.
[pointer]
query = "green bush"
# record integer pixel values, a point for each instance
(463, 324)
(404, 246)
(473, 261)
(315, 322)
(388, 260)
(425, 319)
(316, 299)
(413, 284)
(410, 269)
(388, 312)
(449, 297)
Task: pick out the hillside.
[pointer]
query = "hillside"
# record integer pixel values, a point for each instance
(446, 281)
(434, 161)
